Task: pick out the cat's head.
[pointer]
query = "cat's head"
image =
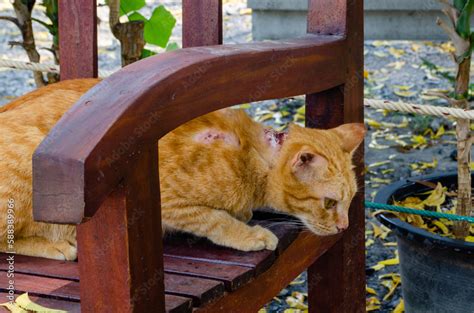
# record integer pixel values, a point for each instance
(315, 177)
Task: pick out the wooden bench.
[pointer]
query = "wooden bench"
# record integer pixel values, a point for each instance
(94, 169)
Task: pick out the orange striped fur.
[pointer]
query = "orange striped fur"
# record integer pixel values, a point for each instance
(214, 171)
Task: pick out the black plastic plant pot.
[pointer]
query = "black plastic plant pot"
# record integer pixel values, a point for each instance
(437, 272)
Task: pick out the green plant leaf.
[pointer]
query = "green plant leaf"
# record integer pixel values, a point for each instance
(463, 27)
(127, 6)
(147, 53)
(135, 16)
(459, 4)
(48, 26)
(172, 46)
(159, 27)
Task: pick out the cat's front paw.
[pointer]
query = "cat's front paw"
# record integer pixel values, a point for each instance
(260, 238)
(66, 250)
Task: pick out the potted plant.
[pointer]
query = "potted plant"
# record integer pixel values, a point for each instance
(438, 271)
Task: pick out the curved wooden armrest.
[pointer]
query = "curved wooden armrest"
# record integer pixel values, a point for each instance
(88, 152)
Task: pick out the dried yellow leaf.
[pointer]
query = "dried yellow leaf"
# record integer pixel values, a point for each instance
(404, 94)
(370, 290)
(396, 52)
(442, 227)
(393, 261)
(470, 238)
(400, 308)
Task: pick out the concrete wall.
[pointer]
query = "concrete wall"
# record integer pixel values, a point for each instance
(384, 19)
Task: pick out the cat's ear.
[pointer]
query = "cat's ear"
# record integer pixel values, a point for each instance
(305, 164)
(351, 135)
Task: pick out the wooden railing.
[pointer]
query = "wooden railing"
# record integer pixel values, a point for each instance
(98, 167)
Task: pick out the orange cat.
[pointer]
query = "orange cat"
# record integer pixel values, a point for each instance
(214, 171)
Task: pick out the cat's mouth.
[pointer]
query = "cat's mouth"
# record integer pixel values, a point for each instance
(318, 229)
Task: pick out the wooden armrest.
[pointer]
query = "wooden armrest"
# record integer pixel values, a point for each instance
(90, 150)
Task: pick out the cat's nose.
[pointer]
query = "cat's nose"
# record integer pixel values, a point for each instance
(340, 229)
(342, 223)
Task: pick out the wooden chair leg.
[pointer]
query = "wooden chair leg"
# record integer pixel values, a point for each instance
(123, 244)
(336, 281)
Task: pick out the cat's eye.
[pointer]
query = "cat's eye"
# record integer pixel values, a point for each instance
(330, 204)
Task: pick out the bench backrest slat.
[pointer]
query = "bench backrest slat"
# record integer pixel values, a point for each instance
(78, 38)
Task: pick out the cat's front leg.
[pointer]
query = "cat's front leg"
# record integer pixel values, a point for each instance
(219, 227)
(41, 247)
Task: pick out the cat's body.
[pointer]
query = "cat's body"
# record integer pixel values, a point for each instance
(214, 171)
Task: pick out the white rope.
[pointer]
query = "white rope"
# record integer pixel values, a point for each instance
(419, 109)
(50, 68)
(371, 103)
(31, 66)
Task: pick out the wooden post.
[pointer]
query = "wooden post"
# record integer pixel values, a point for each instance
(77, 38)
(121, 248)
(202, 23)
(336, 281)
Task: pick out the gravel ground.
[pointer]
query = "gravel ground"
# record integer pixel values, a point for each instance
(394, 71)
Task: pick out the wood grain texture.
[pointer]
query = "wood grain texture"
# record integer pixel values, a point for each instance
(70, 307)
(87, 153)
(327, 17)
(176, 304)
(78, 38)
(58, 288)
(202, 23)
(42, 267)
(201, 290)
(336, 281)
(203, 250)
(294, 260)
(231, 275)
(120, 248)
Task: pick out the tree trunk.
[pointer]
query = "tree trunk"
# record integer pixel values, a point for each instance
(130, 34)
(23, 13)
(461, 229)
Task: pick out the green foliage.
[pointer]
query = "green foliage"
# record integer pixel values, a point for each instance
(127, 6)
(463, 27)
(459, 4)
(158, 27)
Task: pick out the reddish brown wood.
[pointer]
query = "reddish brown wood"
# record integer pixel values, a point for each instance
(175, 304)
(42, 267)
(70, 307)
(336, 281)
(232, 276)
(254, 295)
(201, 290)
(202, 23)
(89, 151)
(120, 248)
(327, 17)
(78, 43)
(36, 285)
(203, 250)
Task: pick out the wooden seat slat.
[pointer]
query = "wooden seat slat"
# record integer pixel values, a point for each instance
(69, 306)
(231, 275)
(42, 267)
(201, 290)
(56, 288)
(198, 249)
(203, 250)
(176, 304)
